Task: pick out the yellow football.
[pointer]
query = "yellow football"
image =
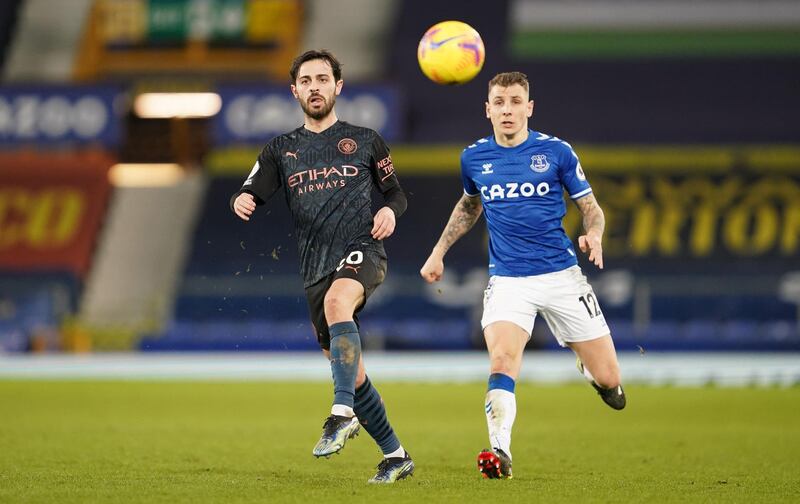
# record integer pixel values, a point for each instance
(451, 52)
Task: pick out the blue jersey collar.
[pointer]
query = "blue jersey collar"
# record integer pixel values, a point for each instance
(531, 136)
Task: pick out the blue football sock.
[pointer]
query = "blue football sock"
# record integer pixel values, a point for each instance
(371, 413)
(345, 354)
(501, 381)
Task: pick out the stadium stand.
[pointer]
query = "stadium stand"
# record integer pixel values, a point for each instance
(699, 184)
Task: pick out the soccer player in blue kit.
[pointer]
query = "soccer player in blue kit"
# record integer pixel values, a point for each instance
(517, 177)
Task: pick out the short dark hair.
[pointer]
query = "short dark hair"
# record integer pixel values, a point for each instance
(506, 79)
(316, 54)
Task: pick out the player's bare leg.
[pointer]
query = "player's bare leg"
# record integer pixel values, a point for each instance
(597, 362)
(506, 344)
(343, 298)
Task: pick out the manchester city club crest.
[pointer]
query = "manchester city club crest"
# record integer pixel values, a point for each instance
(347, 146)
(539, 163)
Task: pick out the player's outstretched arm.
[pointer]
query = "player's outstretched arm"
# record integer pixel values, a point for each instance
(594, 222)
(464, 216)
(244, 205)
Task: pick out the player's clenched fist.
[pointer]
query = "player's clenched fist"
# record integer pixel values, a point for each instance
(433, 268)
(244, 206)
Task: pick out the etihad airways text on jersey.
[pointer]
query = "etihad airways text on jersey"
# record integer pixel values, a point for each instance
(321, 173)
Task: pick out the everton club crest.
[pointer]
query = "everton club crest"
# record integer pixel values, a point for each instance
(539, 163)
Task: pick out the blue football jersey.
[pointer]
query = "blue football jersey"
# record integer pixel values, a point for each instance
(521, 189)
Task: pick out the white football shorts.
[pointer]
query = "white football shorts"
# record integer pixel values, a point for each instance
(564, 298)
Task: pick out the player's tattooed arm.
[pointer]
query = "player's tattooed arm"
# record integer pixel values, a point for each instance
(593, 218)
(594, 223)
(464, 216)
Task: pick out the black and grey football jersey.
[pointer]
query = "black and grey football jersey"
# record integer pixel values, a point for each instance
(327, 179)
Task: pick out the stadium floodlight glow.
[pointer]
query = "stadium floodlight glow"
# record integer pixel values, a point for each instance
(184, 105)
(145, 174)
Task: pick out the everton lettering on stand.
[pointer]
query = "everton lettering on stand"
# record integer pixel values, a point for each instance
(698, 216)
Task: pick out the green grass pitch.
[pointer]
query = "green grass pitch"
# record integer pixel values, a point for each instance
(141, 441)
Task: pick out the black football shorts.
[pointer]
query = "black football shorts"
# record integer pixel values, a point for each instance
(368, 267)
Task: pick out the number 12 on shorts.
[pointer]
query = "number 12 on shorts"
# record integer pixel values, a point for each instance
(590, 303)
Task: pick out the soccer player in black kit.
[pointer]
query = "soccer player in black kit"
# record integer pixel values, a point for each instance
(326, 170)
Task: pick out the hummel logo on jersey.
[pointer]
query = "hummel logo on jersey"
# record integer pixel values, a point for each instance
(487, 168)
(291, 154)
